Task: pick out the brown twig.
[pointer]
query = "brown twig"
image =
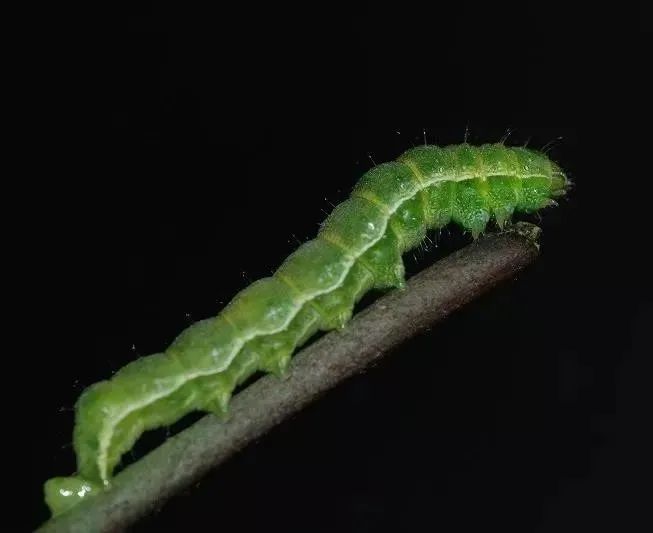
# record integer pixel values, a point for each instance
(183, 459)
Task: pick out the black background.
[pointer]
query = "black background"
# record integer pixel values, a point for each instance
(213, 139)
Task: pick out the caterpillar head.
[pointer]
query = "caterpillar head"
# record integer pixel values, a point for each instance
(62, 493)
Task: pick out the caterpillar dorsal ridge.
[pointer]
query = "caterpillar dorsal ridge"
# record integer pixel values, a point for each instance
(358, 248)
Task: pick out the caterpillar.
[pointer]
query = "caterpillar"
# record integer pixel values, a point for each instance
(358, 248)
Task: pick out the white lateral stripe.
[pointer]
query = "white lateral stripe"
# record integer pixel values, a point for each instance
(107, 429)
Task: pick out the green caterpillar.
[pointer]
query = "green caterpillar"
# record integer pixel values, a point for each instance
(358, 248)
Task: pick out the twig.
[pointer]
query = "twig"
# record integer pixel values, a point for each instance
(183, 459)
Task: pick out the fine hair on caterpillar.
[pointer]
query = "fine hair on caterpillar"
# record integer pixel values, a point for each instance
(358, 248)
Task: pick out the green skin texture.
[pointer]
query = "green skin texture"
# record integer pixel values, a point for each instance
(358, 248)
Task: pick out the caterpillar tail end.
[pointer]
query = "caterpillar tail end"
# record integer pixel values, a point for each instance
(63, 493)
(560, 182)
